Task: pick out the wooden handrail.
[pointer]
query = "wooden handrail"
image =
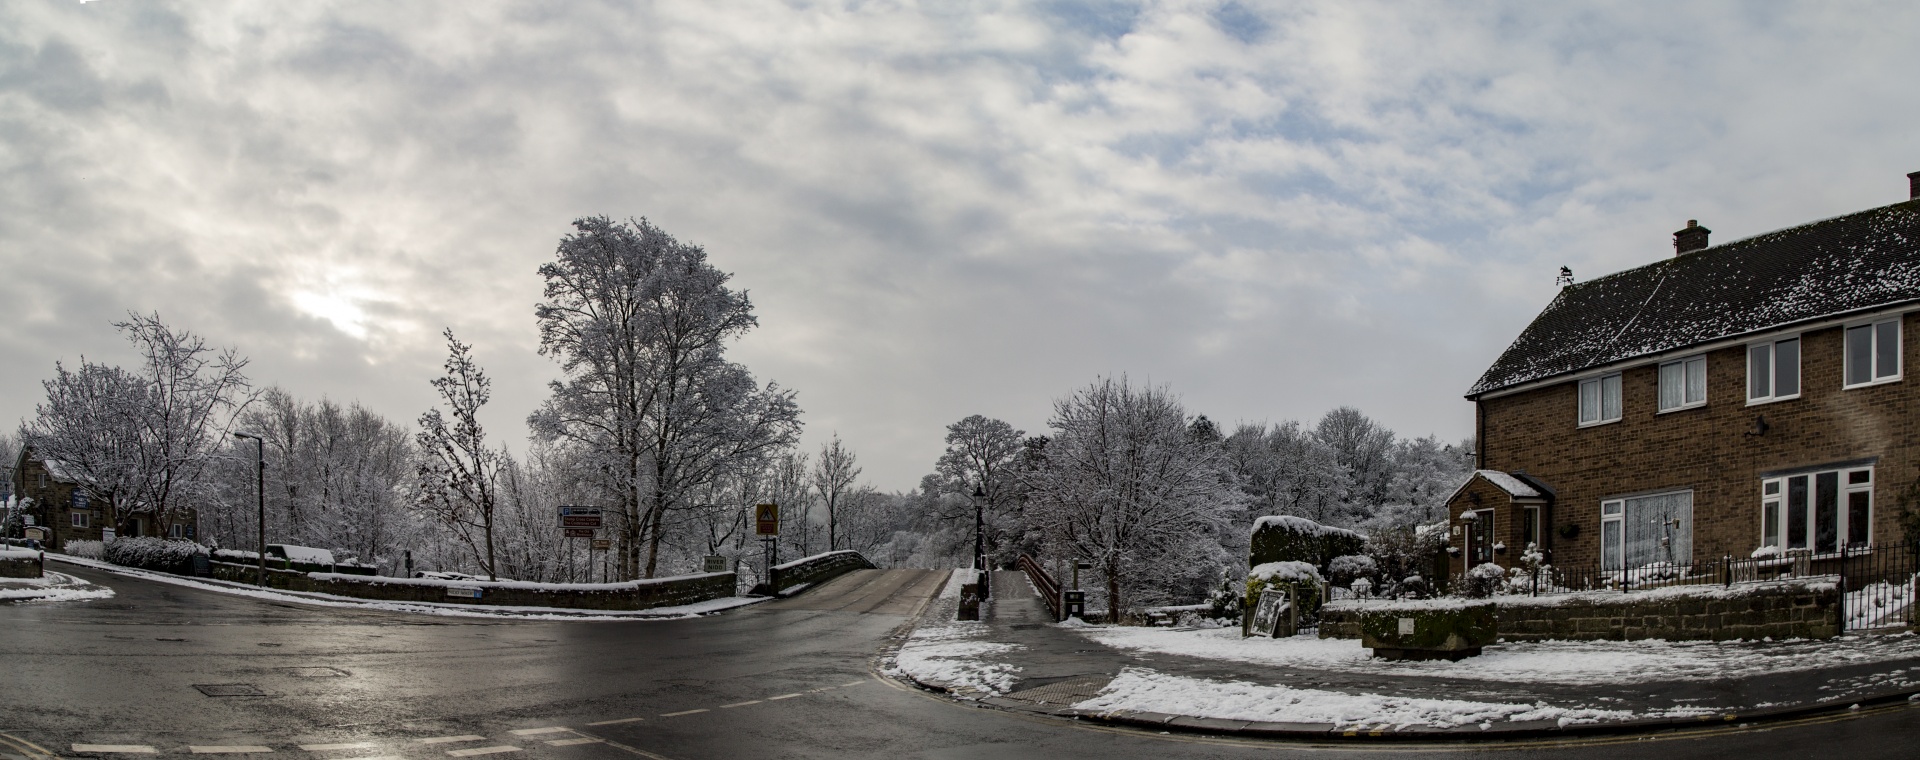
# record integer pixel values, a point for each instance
(1049, 588)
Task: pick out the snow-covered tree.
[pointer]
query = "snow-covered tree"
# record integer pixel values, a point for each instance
(459, 473)
(639, 323)
(833, 476)
(981, 453)
(1126, 486)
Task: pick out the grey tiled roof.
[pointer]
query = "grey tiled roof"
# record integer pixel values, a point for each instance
(1832, 267)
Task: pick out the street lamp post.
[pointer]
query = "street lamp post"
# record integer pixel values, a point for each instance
(259, 500)
(979, 540)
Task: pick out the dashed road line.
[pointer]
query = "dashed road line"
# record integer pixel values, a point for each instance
(784, 696)
(332, 747)
(228, 749)
(482, 751)
(616, 722)
(683, 712)
(450, 739)
(538, 731)
(855, 683)
(574, 741)
(118, 749)
(740, 704)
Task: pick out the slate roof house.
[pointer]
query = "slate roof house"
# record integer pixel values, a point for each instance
(1736, 396)
(60, 505)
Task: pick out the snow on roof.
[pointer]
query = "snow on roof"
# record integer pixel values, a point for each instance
(306, 554)
(1864, 260)
(1302, 525)
(1514, 486)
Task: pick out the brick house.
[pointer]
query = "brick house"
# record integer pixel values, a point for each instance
(59, 503)
(1736, 396)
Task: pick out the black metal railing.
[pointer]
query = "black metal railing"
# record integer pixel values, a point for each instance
(1878, 582)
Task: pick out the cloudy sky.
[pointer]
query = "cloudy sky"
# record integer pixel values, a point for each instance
(939, 209)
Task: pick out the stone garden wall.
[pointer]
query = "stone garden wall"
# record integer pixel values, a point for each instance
(1682, 613)
(630, 595)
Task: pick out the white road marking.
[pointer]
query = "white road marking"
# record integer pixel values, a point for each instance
(330, 747)
(616, 722)
(784, 696)
(740, 704)
(572, 742)
(228, 749)
(537, 731)
(481, 751)
(682, 712)
(449, 739)
(855, 683)
(125, 749)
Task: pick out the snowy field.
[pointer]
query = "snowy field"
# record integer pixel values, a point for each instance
(1548, 662)
(953, 654)
(1148, 691)
(51, 587)
(422, 608)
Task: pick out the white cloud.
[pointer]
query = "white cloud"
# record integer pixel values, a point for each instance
(939, 210)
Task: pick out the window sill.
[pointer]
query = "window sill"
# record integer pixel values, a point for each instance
(1598, 424)
(1683, 408)
(1870, 384)
(1771, 400)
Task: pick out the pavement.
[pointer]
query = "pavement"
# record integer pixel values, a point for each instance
(1057, 667)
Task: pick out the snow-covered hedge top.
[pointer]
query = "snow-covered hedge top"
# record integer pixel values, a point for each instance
(305, 554)
(1412, 605)
(19, 554)
(1302, 526)
(517, 585)
(1285, 571)
(1585, 598)
(804, 560)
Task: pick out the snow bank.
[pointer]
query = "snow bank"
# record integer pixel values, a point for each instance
(1274, 572)
(1150, 691)
(19, 554)
(1543, 662)
(51, 587)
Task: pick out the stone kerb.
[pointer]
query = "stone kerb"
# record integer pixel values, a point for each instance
(629, 595)
(1780, 611)
(818, 568)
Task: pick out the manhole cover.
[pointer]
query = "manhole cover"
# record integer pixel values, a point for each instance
(1064, 692)
(230, 690)
(317, 672)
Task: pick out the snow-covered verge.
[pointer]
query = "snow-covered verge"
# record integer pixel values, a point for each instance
(1146, 690)
(951, 654)
(51, 587)
(425, 608)
(1544, 662)
(1706, 591)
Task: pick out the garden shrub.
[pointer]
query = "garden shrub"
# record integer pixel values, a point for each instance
(1284, 538)
(1344, 570)
(1483, 580)
(1309, 588)
(150, 553)
(87, 549)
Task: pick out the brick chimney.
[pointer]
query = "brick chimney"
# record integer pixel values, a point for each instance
(1913, 184)
(1693, 238)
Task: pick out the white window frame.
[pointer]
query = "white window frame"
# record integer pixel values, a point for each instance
(1600, 411)
(1686, 367)
(1873, 360)
(1617, 518)
(1772, 348)
(80, 520)
(1843, 508)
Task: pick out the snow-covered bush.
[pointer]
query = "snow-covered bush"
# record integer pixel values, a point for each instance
(1285, 538)
(1361, 587)
(1224, 603)
(149, 553)
(1410, 587)
(88, 549)
(1765, 552)
(1349, 568)
(1483, 580)
(1404, 553)
(1309, 588)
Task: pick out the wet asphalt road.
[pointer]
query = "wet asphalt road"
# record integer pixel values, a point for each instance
(787, 679)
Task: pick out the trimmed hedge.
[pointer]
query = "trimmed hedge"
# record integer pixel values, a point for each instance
(149, 553)
(1297, 539)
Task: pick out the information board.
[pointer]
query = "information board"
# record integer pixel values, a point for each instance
(1273, 614)
(580, 517)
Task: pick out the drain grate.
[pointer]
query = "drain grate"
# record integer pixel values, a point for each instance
(317, 672)
(1064, 692)
(230, 690)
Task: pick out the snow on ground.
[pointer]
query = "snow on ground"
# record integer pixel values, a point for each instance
(423, 608)
(51, 587)
(951, 654)
(1149, 691)
(1548, 662)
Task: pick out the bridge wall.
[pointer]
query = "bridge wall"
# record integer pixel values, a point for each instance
(630, 595)
(818, 568)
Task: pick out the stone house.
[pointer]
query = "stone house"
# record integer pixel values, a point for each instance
(1736, 396)
(59, 503)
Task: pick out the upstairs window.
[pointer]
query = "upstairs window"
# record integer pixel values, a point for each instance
(1773, 371)
(1683, 383)
(1873, 353)
(1600, 400)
